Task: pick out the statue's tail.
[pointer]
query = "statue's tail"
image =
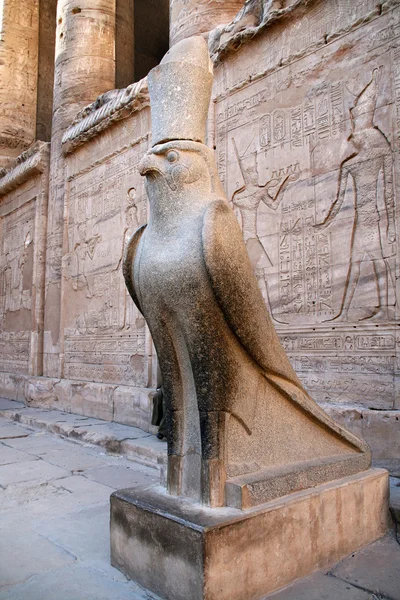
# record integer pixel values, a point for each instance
(128, 263)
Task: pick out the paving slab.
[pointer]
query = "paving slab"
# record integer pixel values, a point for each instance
(84, 534)
(25, 553)
(395, 493)
(30, 470)
(77, 484)
(375, 568)
(119, 476)
(6, 404)
(149, 449)
(75, 459)
(64, 503)
(27, 493)
(37, 443)
(79, 582)
(320, 586)
(10, 431)
(71, 513)
(11, 455)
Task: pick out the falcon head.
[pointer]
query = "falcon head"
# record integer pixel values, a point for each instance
(180, 166)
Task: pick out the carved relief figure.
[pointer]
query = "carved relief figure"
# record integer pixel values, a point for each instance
(247, 200)
(15, 259)
(84, 249)
(235, 406)
(370, 159)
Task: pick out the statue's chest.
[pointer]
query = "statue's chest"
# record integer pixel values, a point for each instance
(170, 267)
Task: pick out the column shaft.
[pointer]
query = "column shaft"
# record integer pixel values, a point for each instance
(19, 35)
(84, 69)
(192, 17)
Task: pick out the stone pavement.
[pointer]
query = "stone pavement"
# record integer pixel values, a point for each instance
(54, 515)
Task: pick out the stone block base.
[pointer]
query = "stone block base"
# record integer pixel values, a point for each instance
(181, 550)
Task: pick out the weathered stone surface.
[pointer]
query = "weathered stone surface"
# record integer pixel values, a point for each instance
(78, 484)
(104, 335)
(182, 81)
(9, 404)
(76, 583)
(378, 428)
(374, 571)
(84, 68)
(73, 460)
(235, 407)
(320, 587)
(10, 431)
(48, 525)
(11, 455)
(19, 25)
(115, 476)
(15, 548)
(23, 217)
(30, 470)
(52, 508)
(289, 112)
(282, 127)
(132, 442)
(179, 549)
(192, 17)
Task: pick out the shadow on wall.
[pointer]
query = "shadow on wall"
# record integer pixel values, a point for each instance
(151, 34)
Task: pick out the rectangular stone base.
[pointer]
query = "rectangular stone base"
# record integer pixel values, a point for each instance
(181, 550)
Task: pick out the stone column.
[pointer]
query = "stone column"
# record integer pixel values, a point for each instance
(19, 31)
(84, 69)
(192, 17)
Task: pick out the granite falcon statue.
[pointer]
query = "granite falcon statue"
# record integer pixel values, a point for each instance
(235, 407)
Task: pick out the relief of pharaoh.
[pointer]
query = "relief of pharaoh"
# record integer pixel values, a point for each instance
(370, 157)
(235, 407)
(246, 200)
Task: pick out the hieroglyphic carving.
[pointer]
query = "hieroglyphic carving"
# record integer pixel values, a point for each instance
(303, 256)
(341, 129)
(16, 264)
(346, 366)
(370, 159)
(246, 200)
(104, 332)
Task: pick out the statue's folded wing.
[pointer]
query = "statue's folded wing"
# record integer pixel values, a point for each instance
(128, 262)
(242, 304)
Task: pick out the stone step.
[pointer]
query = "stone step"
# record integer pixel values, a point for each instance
(131, 442)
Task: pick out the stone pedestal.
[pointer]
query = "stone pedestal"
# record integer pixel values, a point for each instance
(180, 550)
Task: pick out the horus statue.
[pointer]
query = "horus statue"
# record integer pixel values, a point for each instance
(241, 428)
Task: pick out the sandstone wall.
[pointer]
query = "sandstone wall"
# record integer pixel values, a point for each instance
(23, 216)
(305, 122)
(104, 336)
(312, 122)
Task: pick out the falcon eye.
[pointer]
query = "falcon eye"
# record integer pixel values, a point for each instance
(172, 156)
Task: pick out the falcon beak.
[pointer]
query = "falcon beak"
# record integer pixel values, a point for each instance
(148, 164)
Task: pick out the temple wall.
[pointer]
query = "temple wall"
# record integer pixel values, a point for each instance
(288, 122)
(104, 337)
(23, 216)
(305, 115)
